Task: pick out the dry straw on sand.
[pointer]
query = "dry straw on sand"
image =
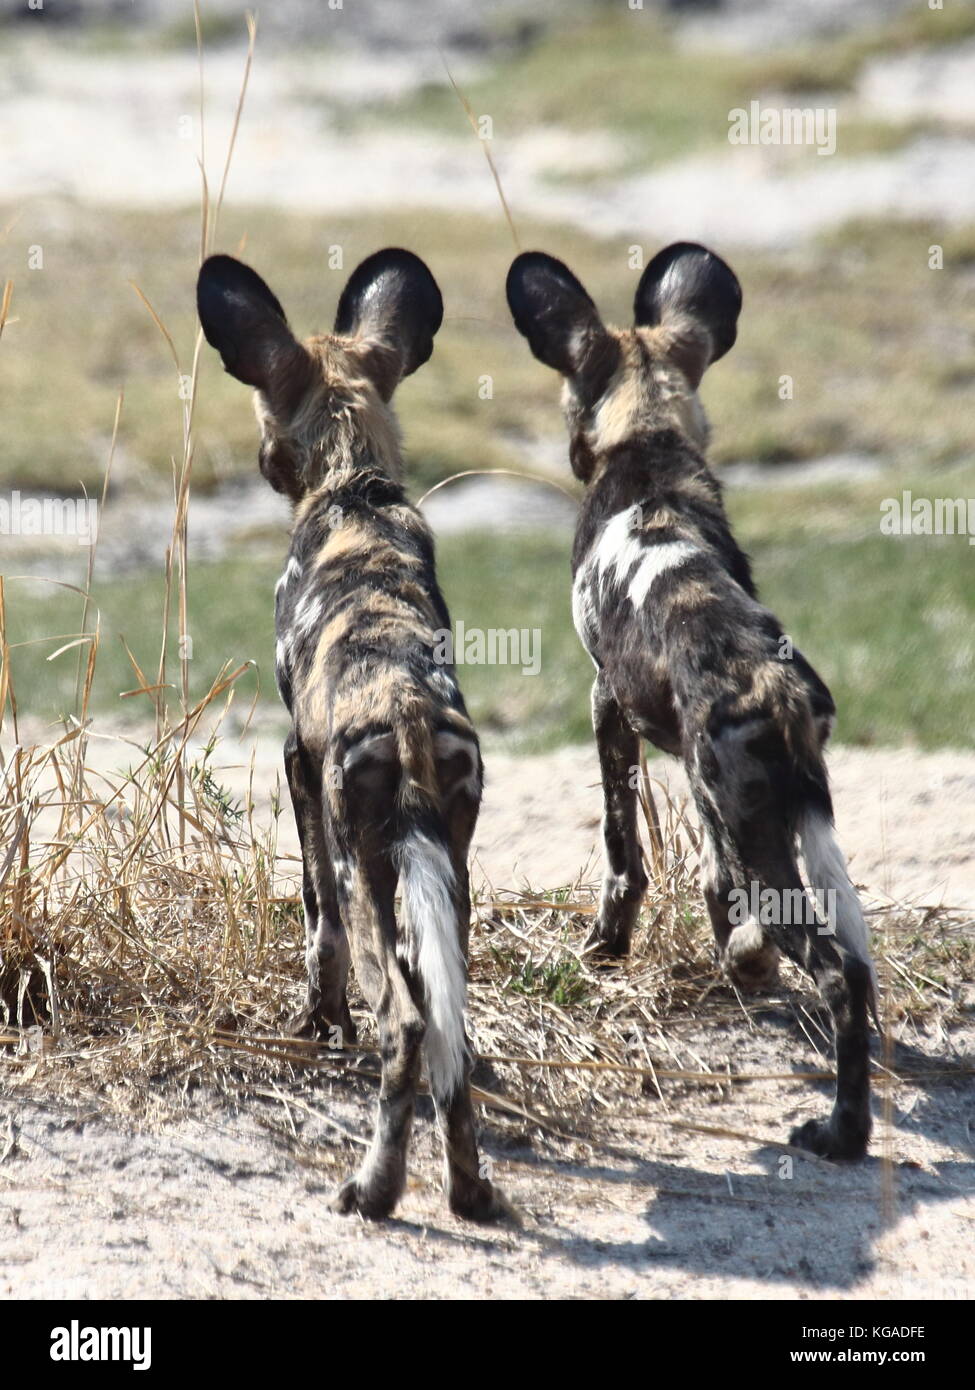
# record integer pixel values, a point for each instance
(151, 941)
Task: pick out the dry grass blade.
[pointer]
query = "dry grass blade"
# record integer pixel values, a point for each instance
(472, 118)
(8, 291)
(495, 473)
(275, 1094)
(652, 820)
(202, 159)
(251, 23)
(159, 324)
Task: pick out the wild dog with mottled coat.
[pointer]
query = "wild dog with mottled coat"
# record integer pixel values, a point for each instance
(685, 655)
(382, 760)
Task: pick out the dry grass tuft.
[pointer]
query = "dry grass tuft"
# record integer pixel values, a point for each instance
(150, 946)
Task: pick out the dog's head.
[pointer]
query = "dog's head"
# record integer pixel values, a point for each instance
(324, 402)
(619, 382)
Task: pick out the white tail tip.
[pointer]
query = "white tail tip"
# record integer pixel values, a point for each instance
(830, 880)
(427, 879)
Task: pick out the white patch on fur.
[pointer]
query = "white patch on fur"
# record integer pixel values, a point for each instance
(584, 611)
(292, 570)
(342, 870)
(709, 862)
(281, 673)
(427, 881)
(657, 559)
(826, 869)
(308, 615)
(619, 547)
(623, 547)
(746, 940)
(615, 886)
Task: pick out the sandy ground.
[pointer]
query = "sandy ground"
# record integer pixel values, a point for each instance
(905, 819)
(234, 1204)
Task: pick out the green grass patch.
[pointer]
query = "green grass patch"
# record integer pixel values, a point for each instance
(558, 980)
(505, 581)
(230, 620)
(491, 581)
(889, 622)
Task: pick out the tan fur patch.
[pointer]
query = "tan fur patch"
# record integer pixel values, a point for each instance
(692, 595)
(642, 394)
(341, 421)
(626, 401)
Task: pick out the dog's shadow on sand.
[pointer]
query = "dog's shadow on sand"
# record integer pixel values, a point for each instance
(802, 1222)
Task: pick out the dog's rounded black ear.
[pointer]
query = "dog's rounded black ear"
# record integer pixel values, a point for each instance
(244, 321)
(553, 311)
(688, 283)
(393, 299)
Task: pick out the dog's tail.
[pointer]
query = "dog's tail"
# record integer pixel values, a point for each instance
(767, 777)
(811, 813)
(829, 879)
(430, 905)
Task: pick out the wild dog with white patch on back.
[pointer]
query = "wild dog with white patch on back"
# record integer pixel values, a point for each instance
(685, 655)
(382, 761)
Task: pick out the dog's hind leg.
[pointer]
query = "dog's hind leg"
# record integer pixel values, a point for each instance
(366, 893)
(624, 878)
(326, 943)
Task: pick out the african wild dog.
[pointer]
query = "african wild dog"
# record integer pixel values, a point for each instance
(382, 761)
(685, 654)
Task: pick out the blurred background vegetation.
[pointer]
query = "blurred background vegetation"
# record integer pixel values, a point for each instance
(880, 347)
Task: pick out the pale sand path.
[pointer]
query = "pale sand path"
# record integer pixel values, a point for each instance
(906, 820)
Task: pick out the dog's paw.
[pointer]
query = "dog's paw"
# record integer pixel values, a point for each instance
(478, 1200)
(357, 1196)
(607, 943)
(751, 962)
(315, 1024)
(822, 1137)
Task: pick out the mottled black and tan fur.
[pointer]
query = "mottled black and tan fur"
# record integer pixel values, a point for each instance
(685, 654)
(382, 760)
